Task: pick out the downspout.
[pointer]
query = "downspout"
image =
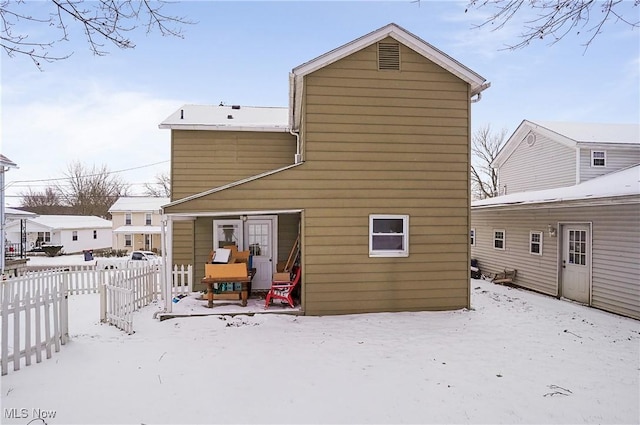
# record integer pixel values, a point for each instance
(292, 99)
(478, 93)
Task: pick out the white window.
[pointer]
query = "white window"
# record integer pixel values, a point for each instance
(95, 234)
(472, 235)
(147, 219)
(499, 239)
(74, 235)
(535, 243)
(127, 219)
(388, 235)
(127, 240)
(598, 158)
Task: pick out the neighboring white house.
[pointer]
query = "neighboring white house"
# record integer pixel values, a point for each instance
(570, 222)
(137, 222)
(75, 233)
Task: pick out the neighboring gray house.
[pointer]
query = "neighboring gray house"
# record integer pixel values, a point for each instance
(570, 221)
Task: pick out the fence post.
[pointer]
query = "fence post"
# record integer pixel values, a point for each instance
(103, 302)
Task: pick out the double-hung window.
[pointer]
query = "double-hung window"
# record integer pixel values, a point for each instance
(74, 235)
(147, 219)
(388, 235)
(472, 236)
(598, 158)
(127, 240)
(127, 219)
(535, 243)
(499, 239)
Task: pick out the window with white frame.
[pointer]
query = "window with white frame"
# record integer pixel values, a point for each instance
(147, 219)
(388, 235)
(472, 236)
(598, 158)
(127, 219)
(499, 239)
(95, 234)
(74, 235)
(535, 243)
(127, 240)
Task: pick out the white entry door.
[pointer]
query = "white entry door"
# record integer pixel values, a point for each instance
(576, 262)
(260, 242)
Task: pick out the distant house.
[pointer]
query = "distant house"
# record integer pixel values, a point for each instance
(137, 223)
(75, 233)
(570, 221)
(364, 178)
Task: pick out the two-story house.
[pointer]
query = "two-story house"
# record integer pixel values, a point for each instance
(568, 219)
(137, 223)
(367, 171)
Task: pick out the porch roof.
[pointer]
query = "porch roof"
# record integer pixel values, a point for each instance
(154, 230)
(623, 183)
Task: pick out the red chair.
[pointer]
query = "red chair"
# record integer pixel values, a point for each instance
(283, 290)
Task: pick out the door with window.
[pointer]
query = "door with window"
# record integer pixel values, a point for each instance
(576, 259)
(260, 242)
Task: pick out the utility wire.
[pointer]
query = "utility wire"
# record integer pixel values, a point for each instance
(88, 175)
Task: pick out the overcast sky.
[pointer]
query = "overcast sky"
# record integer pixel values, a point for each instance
(106, 110)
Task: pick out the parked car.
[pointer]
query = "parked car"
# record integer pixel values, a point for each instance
(122, 262)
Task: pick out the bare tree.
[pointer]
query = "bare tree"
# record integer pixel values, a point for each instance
(485, 147)
(43, 202)
(102, 22)
(161, 187)
(90, 191)
(554, 19)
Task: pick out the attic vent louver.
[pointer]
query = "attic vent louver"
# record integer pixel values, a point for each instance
(389, 56)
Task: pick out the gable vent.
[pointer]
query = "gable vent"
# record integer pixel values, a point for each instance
(389, 56)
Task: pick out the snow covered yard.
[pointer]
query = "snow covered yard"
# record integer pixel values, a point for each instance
(516, 357)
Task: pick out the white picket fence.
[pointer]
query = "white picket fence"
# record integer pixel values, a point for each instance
(34, 307)
(34, 319)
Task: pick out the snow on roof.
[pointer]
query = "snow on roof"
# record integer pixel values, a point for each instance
(61, 222)
(595, 132)
(147, 230)
(621, 183)
(16, 213)
(230, 118)
(139, 203)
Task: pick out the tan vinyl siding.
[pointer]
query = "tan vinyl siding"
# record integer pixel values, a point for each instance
(545, 165)
(183, 243)
(616, 159)
(615, 250)
(375, 142)
(201, 159)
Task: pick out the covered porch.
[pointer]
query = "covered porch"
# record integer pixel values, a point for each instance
(272, 238)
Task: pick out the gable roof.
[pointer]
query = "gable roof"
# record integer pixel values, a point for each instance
(621, 183)
(70, 222)
(138, 204)
(228, 118)
(476, 81)
(6, 162)
(573, 135)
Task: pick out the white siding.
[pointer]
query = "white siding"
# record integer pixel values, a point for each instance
(616, 160)
(545, 165)
(615, 250)
(85, 240)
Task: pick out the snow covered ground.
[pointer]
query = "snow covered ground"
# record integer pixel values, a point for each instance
(515, 357)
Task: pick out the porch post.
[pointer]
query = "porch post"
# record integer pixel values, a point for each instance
(166, 237)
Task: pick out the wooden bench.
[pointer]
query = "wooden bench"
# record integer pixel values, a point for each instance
(505, 277)
(227, 273)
